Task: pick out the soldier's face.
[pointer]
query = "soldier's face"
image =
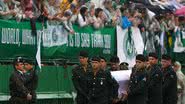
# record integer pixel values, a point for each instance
(28, 66)
(152, 60)
(95, 65)
(19, 66)
(140, 64)
(114, 66)
(103, 63)
(165, 63)
(83, 60)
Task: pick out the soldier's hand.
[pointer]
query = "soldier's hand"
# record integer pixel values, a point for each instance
(29, 97)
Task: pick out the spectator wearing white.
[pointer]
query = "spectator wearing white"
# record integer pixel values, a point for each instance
(108, 10)
(116, 20)
(5, 12)
(163, 24)
(50, 8)
(18, 9)
(98, 3)
(82, 16)
(99, 23)
(151, 26)
(52, 12)
(91, 16)
(171, 22)
(180, 83)
(67, 23)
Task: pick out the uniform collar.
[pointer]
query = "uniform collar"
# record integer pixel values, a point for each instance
(20, 72)
(167, 69)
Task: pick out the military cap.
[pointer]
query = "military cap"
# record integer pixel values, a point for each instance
(95, 58)
(101, 57)
(141, 57)
(152, 54)
(166, 57)
(83, 53)
(114, 59)
(18, 60)
(124, 63)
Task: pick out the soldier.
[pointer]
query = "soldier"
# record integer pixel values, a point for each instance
(31, 79)
(154, 80)
(137, 91)
(169, 81)
(114, 62)
(124, 66)
(100, 84)
(18, 91)
(79, 78)
(103, 63)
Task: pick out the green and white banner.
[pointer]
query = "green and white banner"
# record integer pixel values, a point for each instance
(59, 44)
(16, 39)
(129, 44)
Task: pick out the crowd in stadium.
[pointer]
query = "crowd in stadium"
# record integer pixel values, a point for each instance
(161, 25)
(159, 19)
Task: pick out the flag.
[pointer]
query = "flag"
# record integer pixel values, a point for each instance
(129, 44)
(150, 14)
(183, 38)
(38, 55)
(178, 44)
(162, 39)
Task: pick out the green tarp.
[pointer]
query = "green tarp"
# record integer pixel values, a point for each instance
(52, 79)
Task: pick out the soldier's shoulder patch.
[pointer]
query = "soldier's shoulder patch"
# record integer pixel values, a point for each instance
(172, 76)
(156, 75)
(144, 79)
(135, 81)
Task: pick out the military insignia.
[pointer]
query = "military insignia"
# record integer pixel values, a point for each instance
(172, 76)
(136, 81)
(101, 82)
(144, 79)
(157, 75)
